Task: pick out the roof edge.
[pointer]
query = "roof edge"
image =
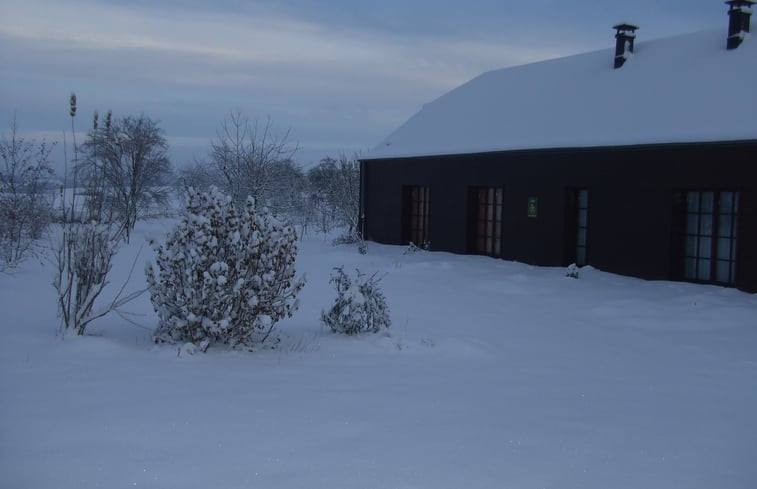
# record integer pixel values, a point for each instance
(624, 147)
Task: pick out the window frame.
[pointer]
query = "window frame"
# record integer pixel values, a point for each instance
(485, 215)
(574, 240)
(415, 214)
(709, 246)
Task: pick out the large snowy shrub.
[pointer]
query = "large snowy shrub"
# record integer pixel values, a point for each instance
(360, 306)
(224, 276)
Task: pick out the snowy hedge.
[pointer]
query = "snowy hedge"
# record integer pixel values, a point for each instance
(224, 276)
(359, 307)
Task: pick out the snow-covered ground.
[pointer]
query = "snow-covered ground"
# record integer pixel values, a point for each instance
(495, 375)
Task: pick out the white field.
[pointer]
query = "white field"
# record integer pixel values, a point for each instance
(494, 375)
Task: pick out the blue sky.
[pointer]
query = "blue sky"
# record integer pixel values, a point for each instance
(339, 75)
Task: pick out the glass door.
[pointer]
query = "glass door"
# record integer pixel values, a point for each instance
(711, 236)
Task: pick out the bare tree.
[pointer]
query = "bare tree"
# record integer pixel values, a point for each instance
(198, 175)
(335, 190)
(130, 158)
(287, 195)
(25, 198)
(248, 156)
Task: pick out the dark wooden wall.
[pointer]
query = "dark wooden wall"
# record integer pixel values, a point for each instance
(631, 192)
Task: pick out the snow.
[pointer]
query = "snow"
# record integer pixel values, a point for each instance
(744, 9)
(493, 374)
(681, 89)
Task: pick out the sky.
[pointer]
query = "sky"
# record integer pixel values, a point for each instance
(338, 75)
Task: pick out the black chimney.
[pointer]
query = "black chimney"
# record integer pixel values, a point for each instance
(624, 42)
(738, 21)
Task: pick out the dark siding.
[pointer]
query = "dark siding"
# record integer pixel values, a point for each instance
(631, 210)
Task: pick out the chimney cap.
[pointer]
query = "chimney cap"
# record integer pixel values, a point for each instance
(630, 27)
(740, 3)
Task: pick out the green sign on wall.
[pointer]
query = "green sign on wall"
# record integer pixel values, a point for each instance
(533, 206)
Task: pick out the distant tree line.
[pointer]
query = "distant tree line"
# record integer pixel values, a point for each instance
(248, 160)
(121, 173)
(244, 203)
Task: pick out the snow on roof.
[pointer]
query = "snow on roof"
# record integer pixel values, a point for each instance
(681, 89)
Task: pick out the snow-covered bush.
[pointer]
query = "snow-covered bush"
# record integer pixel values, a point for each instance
(360, 306)
(224, 276)
(572, 271)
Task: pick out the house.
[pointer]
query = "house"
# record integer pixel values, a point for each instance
(640, 161)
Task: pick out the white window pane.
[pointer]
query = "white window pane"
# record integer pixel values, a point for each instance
(708, 201)
(724, 249)
(705, 225)
(722, 271)
(581, 241)
(703, 273)
(692, 224)
(581, 256)
(726, 202)
(692, 201)
(582, 218)
(705, 247)
(691, 246)
(583, 198)
(724, 225)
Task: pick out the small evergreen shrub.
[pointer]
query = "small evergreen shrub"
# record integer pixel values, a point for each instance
(224, 276)
(360, 306)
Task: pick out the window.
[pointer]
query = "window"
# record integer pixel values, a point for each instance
(415, 215)
(485, 217)
(711, 235)
(577, 226)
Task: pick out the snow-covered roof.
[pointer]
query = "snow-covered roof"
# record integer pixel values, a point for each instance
(681, 89)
